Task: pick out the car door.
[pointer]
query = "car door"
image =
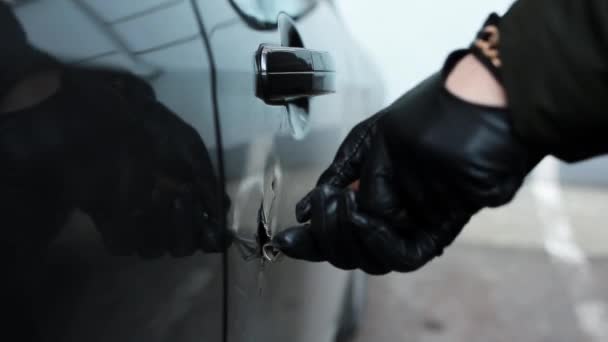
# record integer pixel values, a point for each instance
(79, 290)
(273, 152)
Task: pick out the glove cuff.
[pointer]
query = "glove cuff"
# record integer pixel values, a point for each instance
(486, 49)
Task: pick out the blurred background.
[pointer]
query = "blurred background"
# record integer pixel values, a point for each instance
(535, 270)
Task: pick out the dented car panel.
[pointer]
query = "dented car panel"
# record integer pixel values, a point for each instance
(275, 150)
(272, 152)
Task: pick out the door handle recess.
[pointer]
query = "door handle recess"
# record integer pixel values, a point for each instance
(285, 74)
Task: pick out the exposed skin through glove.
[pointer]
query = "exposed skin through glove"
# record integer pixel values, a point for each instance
(426, 164)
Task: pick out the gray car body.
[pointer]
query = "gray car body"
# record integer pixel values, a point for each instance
(272, 156)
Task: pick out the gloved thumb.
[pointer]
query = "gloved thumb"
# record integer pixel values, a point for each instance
(298, 243)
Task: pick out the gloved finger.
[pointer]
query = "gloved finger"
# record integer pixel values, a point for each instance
(346, 166)
(317, 201)
(298, 243)
(365, 259)
(324, 202)
(330, 238)
(304, 208)
(405, 253)
(378, 190)
(330, 225)
(372, 267)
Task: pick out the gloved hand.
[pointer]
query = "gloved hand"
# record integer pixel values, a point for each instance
(426, 164)
(104, 144)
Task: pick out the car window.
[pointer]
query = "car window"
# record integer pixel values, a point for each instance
(262, 14)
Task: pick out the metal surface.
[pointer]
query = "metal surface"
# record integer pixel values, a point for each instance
(286, 74)
(273, 156)
(271, 253)
(79, 291)
(261, 15)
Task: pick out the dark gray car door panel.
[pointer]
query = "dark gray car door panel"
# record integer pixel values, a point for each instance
(78, 290)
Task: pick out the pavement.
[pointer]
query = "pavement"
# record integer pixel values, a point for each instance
(479, 294)
(533, 271)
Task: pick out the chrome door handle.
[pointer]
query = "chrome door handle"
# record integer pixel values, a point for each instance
(287, 73)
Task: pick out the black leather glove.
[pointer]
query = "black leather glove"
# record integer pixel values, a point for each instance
(426, 164)
(105, 145)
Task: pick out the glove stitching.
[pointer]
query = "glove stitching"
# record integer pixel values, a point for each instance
(358, 144)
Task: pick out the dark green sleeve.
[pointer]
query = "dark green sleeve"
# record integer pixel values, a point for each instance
(555, 71)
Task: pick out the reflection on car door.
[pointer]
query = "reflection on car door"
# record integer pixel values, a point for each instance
(273, 155)
(80, 292)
